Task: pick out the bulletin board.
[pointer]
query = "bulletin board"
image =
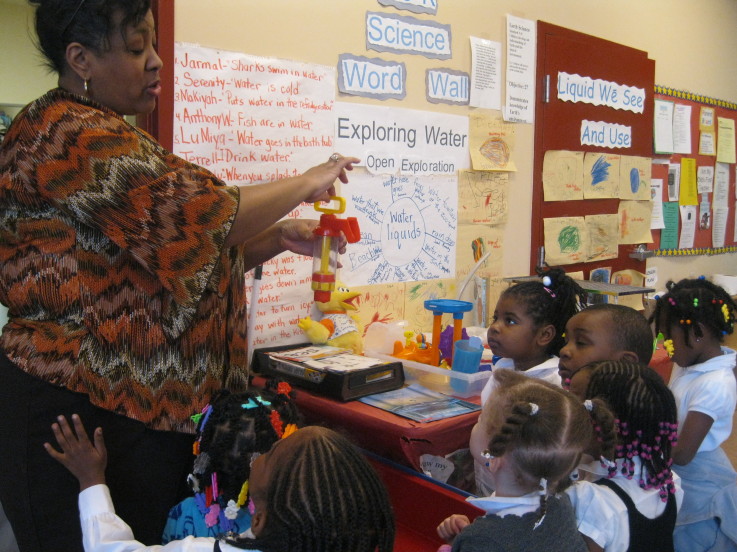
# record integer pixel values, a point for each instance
(564, 53)
(703, 242)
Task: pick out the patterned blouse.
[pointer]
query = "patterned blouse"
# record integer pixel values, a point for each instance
(113, 266)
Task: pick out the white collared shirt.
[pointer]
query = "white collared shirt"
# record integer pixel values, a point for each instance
(103, 530)
(709, 388)
(507, 505)
(546, 371)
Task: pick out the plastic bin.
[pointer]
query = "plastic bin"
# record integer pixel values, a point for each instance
(438, 379)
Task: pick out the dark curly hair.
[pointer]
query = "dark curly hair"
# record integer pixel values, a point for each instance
(89, 22)
(552, 300)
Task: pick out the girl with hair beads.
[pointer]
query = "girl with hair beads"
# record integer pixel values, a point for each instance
(231, 432)
(641, 477)
(313, 491)
(694, 316)
(535, 434)
(529, 322)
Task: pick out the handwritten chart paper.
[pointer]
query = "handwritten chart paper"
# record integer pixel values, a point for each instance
(566, 240)
(408, 228)
(482, 197)
(601, 175)
(250, 119)
(563, 175)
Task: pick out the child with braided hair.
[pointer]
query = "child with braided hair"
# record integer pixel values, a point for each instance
(231, 431)
(694, 316)
(534, 436)
(527, 332)
(312, 491)
(528, 325)
(640, 479)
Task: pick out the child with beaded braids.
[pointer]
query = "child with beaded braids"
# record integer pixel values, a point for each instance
(694, 316)
(313, 491)
(231, 431)
(640, 479)
(535, 434)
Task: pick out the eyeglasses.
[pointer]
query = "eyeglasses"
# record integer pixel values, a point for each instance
(72, 17)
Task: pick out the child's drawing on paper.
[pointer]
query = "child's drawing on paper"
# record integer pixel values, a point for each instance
(635, 177)
(563, 175)
(566, 240)
(482, 197)
(601, 175)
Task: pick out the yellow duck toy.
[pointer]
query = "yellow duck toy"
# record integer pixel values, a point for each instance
(337, 327)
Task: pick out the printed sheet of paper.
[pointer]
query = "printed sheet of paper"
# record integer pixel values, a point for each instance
(725, 140)
(682, 129)
(656, 218)
(663, 133)
(705, 179)
(719, 228)
(482, 197)
(634, 177)
(603, 237)
(563, 175)
(688, 194)
(707, 137)
(486, 66)
(688, 226)
(674, 181)
(721, 185)
(566, 240)
(634, 222)
(408, 228)
(491, 143)
(601, 175)
(520, 62)
(669, 234)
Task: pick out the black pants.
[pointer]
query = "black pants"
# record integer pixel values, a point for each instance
(146, 469)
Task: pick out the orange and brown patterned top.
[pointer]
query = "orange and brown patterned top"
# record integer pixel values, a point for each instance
(112, 264)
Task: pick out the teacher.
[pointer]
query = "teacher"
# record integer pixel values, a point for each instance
(122, 267)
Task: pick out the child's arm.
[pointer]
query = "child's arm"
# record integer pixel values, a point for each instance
(85, 460)
(451, 526)
(695, 428)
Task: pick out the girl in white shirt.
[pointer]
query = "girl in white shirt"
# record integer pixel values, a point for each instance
(694, 316)
(312, 491)
(639, 486)
(535, 434)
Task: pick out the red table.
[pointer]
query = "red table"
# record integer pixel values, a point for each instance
(388, 435)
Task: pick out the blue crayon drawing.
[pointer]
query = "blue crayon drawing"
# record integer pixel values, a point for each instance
(634, 180)
(600, 171)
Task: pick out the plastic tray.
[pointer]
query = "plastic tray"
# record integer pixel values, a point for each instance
(457, 384)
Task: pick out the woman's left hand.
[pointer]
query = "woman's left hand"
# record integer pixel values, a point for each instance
(298, 236)
(321, 178)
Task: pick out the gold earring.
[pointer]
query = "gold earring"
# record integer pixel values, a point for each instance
(87, 87)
